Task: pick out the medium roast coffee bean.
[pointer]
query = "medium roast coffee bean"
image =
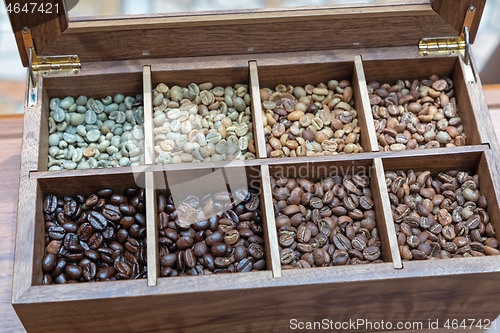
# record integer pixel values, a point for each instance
(450, 224)
(332, 226)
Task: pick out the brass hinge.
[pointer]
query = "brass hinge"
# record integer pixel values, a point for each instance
(460, 45)
(42, 66)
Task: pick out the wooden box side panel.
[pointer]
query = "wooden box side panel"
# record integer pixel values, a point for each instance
(273, 309)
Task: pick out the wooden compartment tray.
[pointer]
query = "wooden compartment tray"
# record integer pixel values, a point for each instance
(267, 300)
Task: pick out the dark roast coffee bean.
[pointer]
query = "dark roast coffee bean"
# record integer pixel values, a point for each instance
(50, 204)
(97, 221)
(256, 250)
(56, 233)
(73, 272)
(49, 262)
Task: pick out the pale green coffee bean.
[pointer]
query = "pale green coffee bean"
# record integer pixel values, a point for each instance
(81, 109)
(175, 125)
(76, 119)
(95, 106)
(213, 137)
(81, 100)
(111, 150)
(217, 158)
(242, 130)
(120, 117)
(172, 136)
(68, 153)
(77, 155)
(173, 159)
(52, 125)
(239, 104)
(124, 161)
(218, 91)
(54, 139)
(159, 119)
(243, 143)
(128, 127)
(200, 138)
(83, 165)
(104, 146)
(186, 158)
(228, 100)
(103, 156)
(139, 116)
(59, 115)
(122, 107)
(186, 127)
(61, 154)
(137, 132)
(72, 108)
(124, 151)
(181, 140)
(93, 135)
(92, 162)
(164, 158)
(221, 146)
(103, 164)
(69, 138)
(157, 99)
(107, 100)
(233, 115)
(176, 93)
(173, 114)
(115, 142)
(129, 101)
(55, 168)
(134, 151)
(196, 154)
(119, 98)
(68, 165)
(232, 149)
(129, 114)
(100, 118)
(90, 117)
(54, 103)
(67, 102)
(53, 151)
(204, 152)
(81, 130)
(111, 108)
(117, 129)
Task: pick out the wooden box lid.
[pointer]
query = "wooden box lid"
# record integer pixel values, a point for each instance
(376, 24)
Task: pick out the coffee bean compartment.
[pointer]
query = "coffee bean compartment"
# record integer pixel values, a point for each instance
(216, 228)
(314, 109)
(329, 214)
(443, 211)
(420, 104)
(202, 116)
(92, 229)
(90, 122)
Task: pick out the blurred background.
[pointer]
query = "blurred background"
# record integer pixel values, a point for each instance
(12, 75)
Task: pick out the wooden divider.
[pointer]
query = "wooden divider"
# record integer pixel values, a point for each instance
(258, 124)
(149, 144)
(384, 214)
(152, 230)
(362, 103)
(269, 223)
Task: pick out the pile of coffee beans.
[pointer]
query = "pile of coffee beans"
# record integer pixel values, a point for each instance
(441, 216)
(310, 120)
(213, 234)
(89, 133)
(325, 223)
(417, 114)
(202, 123)
(100, 237)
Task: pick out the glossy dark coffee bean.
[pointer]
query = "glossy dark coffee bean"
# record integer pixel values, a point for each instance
(49, 262)
(105, 273)
(50, 204)
(97, 221)
(56, 233)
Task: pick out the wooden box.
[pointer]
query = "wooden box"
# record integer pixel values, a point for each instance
(261, 47)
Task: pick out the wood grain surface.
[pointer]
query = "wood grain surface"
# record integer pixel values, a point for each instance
(10, 144)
